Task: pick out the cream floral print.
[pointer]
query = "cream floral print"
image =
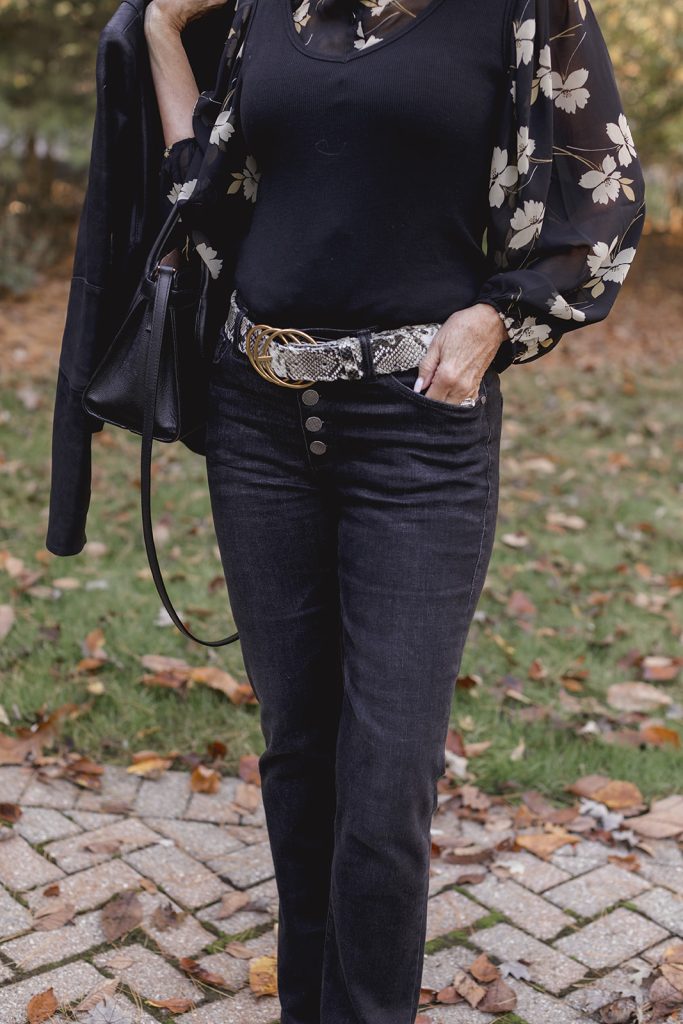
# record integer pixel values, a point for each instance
(566, 191)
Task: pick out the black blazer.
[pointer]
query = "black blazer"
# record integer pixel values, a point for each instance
(121, 215)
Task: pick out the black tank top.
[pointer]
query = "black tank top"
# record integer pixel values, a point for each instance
(372, 200)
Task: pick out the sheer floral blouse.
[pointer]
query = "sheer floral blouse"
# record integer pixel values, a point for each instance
(565, 193)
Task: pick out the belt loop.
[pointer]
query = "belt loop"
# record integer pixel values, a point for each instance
(364, 335)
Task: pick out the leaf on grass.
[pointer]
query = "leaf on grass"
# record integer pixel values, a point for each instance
(175, 1005)
(636, 697)
(53, 915)
(41, 1007)
(663, 821)
(204, 780)
(660, 668)
(499, 998)
(121, 915)
(659, 735)
(6, 619)
(263, 975)
(10, 813)
(150, 764)
(219, 679)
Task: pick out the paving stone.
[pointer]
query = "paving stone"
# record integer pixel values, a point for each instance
(593, 892)
(13, 917)
(527, 910)
(249, 834)
(451, 911)
(245, 867)
(442, 875)
(21, 867)
(655, 954)
(118, 1008)
(57, 793)
(201, 839)
(185, 937)
(118, 787)
(88, 820)
(461, 1013)
(147, 973)
(90, 888)
(13, 781)
(165, 797)
(537, 1008)
(234, 970)
(243, 1008)
(611, 939)
(253, 818)
(128, 834)
(41, 824)
(217, 807)
(580, 857)
(236, 923)
(664, 907)
(590, 998)
(439, 968)
(532, 872)
(70, 982)
(181, 876)
(49, 947)
(547, 966)
(665, 867)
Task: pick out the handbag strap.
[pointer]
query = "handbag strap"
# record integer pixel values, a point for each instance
(164, 281)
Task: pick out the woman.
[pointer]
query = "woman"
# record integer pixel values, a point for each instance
(430, 191)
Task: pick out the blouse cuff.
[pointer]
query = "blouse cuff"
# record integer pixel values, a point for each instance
(175, 165)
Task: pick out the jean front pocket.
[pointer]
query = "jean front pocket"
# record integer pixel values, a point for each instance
(403, 381)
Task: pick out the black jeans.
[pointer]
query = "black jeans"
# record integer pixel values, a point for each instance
(355, 522)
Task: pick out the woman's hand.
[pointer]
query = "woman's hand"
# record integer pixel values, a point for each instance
(460, 353)
(176, 14)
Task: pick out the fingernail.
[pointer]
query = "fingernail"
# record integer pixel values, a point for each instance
(417, 386)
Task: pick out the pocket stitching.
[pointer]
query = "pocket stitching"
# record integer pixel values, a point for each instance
(436, 403)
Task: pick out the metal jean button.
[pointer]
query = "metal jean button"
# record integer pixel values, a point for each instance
(313, 423)
(310, 397)
(318, 447)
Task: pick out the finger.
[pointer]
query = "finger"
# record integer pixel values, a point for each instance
(428, 364)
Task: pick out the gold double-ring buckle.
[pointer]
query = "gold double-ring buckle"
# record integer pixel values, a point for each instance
(258, 340)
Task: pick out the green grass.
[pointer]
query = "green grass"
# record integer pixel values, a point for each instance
(612, 440)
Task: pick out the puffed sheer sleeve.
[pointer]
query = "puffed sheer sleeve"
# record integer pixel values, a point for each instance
(566, 193)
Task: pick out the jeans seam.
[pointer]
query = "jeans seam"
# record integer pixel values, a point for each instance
(486, 507)
(420, 951)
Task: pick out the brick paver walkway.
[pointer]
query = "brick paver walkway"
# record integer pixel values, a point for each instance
(580, 930)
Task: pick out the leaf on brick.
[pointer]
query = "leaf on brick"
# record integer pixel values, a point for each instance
(121, 915)
(41, 1007)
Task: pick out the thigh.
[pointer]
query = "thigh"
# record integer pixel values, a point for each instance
(276, 531)
(419, 504)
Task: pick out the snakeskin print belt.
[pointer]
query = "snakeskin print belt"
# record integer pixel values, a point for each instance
(296, 359)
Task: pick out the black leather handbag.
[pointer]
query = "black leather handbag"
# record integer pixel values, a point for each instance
(153, 378)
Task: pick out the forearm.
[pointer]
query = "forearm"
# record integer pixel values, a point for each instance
(174, 81)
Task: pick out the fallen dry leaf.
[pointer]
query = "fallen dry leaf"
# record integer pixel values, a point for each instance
(201, 974)
(499, 998)
(177, 1005)
(120, 915)
(41, 1007)
(544, 844)
(10, 813)
(6, 619)
(636, 697)
(263, 975)
(204, 780)
(483, 970)
(53, 915)
(618, 795)
(231, 903)
(663, 821)
(468, 988)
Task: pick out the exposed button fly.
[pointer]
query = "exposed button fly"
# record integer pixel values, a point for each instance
(318, 447)
(313, 423)
(310, 397)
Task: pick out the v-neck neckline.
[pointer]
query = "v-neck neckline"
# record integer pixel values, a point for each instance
(354, 53)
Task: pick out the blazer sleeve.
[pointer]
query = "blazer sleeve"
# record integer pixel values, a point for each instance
(566, 190)
(87, 322)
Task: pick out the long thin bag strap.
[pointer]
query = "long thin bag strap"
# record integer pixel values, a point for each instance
(161, 297)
